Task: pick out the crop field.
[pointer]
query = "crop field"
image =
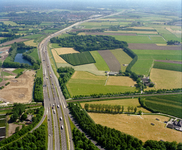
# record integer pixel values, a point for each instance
(123, 102)
(78, 58)
(100, 63)
(122, 57)
(135, 32)
(168, 66)
(10, 22)
(139, 126)
(46, 23)
(146, 59)
(111, 60)
(91, 84)
(50, 31)
(57, 58)
(30, 43)
(107, 33)
(166, 79)
(168, 104)
(54, 45)
(2, 116)
(64, 50)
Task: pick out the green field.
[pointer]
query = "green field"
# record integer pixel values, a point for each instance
(3, 123)
(9, 22)
(168, 66)
(34, 54)
(5, 73)
(50, 31)
(33, 36)
(158, 40)
(1, 79)
(78, 58)
(18, 71)
(146, 59)
(2, 116)
(55, 45)
(168, 104)
(100, 63)
(46, 23)
(122, 57)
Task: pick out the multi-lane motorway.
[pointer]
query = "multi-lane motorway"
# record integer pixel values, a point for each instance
(55, 106)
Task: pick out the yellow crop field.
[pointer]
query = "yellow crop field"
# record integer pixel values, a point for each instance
(57, 58)
(120, 81)
(166, 79)
(139, 126)
(64, 50)
(86, 75)
(123, 102)
(81, 33)
(30, 43)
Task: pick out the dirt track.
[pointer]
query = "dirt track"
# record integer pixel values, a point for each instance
(111, 60)
(152, 47)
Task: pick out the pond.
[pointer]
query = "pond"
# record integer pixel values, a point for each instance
(19, 58)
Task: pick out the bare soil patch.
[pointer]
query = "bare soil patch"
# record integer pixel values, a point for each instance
(152, 47)
(109, 33)
(170, 61)
(12, 128)
(19, 90)
(139, 126)
(111, 60)
(120, 81)
(11, 42)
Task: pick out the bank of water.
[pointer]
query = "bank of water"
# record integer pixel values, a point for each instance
(19, 58)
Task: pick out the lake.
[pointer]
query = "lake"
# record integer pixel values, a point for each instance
(19, 58)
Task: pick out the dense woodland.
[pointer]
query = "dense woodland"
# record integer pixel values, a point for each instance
(89, 43)
(114, 139)
(38, 90)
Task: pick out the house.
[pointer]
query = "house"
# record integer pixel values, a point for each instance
(170, 126)
(112, 73)
(180, 123)
(29, 118)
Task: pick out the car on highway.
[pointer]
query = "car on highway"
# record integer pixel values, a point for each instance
(62, 127)
(60, 118)
(54, 111)
(58, 106)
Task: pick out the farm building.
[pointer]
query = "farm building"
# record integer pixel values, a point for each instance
(170, 126)
(29, 118)
(112, 73)
(176, 124)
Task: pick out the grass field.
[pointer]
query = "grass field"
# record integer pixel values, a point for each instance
(33, 36)
(30, 43)
(100, 63)
(166, 79)
(55, 45)
(78, 58)
(5, 73)
(34, 54)
(120, 81)
(146, 59)
(122, 57)
(3, 123)
(83, 83)
(9, 22)
(168, 104)
(2, 116)
(168, 66)
(137, 32)
(18, 71)
(139, 126)
(5, 111)
(50, 31)
(123, 102)
(1, 79)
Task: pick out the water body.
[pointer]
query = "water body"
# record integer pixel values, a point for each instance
(19, 58)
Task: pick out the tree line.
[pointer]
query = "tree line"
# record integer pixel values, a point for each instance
(65, 74)
(105, 108)
(25, 129)
(89, 43)
(114, 139)
(38, 90)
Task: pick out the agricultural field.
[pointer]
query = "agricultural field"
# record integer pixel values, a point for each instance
(84, 83)
(10, 22)
(166, 79)
(100, 63)
(122, 57)
(33, 36)
(78, 58)
(177, 66)
(135, 32)
(57, 58)
(2, 122)
(123, 102)
(139, 126)
(31, 43)
(146, 59)
(168, 104)
(64, 50)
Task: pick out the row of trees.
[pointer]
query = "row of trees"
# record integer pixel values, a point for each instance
(65, 74)
(81, 142)
(173, 42)
(114, 139)
(106, 137)
(89, 43)
(108, 108)
(17, 111)
(32, 141)
(38, 90)
(25, 129)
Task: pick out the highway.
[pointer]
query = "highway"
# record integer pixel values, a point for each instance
(55, 105)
